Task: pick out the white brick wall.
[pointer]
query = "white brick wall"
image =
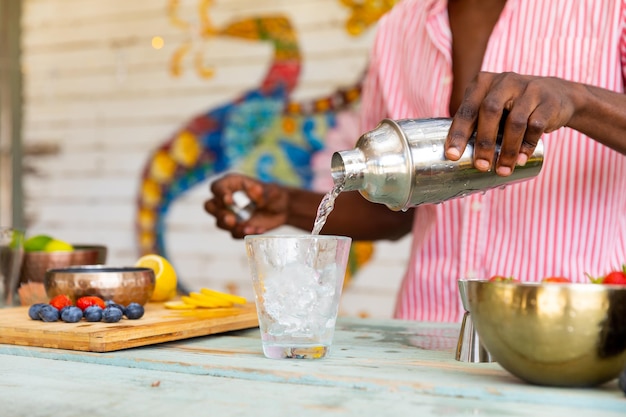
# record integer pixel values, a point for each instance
(96, 91)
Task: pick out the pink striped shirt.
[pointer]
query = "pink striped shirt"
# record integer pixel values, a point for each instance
(568, 221)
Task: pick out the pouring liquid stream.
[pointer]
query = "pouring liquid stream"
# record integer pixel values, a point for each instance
(326, 206)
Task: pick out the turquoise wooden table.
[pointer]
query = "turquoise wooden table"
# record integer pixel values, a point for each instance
(376, 368)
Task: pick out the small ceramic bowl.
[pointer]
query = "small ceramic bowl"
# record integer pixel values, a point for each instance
(35, 264)
(123, 285)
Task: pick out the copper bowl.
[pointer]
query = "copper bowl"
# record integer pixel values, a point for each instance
(123, 285)
(35, 264)
(567, 335)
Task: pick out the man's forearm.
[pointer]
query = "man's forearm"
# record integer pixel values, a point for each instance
(352, 216)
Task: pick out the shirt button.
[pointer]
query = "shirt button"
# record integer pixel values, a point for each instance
(470, 274)
(476, 206)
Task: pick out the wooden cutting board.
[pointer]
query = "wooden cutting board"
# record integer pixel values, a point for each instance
(156, 326)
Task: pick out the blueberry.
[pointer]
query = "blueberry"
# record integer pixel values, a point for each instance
(111, 303)
(48, 313)
(71, 314)
(93, 313)
(33, 311)
(112, 314)
(62, 310)
(134, 311)
(622, 381)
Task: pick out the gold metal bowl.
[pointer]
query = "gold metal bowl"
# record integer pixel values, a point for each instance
(568, 335)
(124, 285)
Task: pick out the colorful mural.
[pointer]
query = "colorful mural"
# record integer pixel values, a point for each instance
(263, 132)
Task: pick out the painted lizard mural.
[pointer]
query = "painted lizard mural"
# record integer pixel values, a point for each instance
(263, 132)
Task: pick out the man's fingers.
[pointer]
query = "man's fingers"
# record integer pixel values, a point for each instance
(491, 112)
(513, 132)
(464, 121)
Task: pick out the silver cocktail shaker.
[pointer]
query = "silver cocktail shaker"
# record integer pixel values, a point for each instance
(401, 164)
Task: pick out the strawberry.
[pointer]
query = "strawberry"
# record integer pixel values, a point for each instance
(557, 280)
(84, 302)
(615, 278)
(60, 301)
(500, 278)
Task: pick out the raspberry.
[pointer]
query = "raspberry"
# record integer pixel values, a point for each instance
(84, 302)
(61, 301)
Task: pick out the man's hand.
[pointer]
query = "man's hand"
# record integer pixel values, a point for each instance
(270, 201)
(535, 105)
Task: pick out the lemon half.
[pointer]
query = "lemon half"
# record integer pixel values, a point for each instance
(165, 285)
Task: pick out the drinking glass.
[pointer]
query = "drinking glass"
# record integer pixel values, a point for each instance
(297, 283)
(11, 254)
